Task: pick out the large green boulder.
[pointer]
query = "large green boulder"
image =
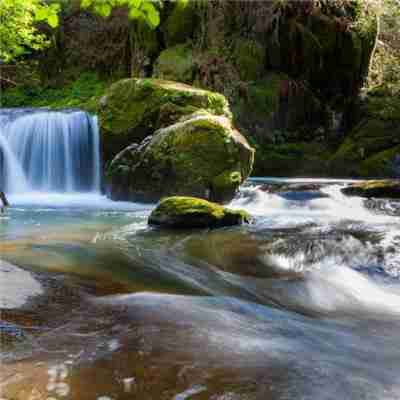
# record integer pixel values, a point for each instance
(175, 63)
(202, 156)
(191, 212)
(132, 109)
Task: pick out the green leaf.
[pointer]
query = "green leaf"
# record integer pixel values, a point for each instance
(53, 20)
(86, 3)
(135, 3)
(153, 16)
(41, 14)
(135, 13)
(106, 10)
(103, 9)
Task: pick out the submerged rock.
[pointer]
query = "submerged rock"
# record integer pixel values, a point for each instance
(191, 212)
(296, 191)
(379, 189)
(201, 156)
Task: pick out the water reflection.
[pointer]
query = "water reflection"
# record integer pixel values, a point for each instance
(305, 303)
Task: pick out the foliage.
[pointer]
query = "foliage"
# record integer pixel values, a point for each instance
(385, 65)
(17, 26)
(19, 19)
(77, 94)
(138, 9)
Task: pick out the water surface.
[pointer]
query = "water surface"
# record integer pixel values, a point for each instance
(302, 304)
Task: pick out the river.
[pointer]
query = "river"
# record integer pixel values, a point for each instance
(302, 304)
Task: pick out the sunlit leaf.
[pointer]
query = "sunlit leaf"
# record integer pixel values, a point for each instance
(53, 20)
(86, 3)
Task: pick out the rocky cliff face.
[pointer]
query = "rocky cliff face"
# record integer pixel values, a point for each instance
(292, 71)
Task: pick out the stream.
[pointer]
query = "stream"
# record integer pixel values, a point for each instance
(304, 303)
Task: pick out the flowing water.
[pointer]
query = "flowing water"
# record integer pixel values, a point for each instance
(49, 151)
(302, 304)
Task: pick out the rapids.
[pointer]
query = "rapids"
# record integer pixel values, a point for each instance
(302, 304)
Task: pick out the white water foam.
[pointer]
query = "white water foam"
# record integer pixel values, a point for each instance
(53, 200)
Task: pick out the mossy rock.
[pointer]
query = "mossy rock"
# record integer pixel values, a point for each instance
(384, 164)
(372, 146)
(191, 212)
(249, 57)
(180, 24)
(378, 189)
(201, 156)
(175, 63)
(132, 109)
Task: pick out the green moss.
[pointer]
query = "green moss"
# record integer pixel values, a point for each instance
(131, 103)
(370, 146)
(185, 158)
(381, 164)
(302, 158)
(175, 63)
(249, 58)
(376, 188)
(191, 212)
(82, 93)
(226, 184)
(260, 104)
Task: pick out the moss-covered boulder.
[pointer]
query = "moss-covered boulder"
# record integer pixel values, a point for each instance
(132, 109)
(378, 189)
(201, 156)
(175, 63)
(191, 212)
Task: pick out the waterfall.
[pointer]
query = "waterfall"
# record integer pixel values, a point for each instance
(49, 151)
(11, 172)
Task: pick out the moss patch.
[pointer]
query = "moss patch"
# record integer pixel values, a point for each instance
(249, 59)
(175, 63)
(377, 189)
(370, 148)
(202, 156)
(132, 109)
(191, 212)
(82, 93)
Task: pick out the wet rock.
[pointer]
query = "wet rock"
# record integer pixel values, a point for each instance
(190, 212)
(296, 191)
(379, 189)
(202, 156)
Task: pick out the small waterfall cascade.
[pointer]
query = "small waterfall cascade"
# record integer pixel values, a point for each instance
(49, 151)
